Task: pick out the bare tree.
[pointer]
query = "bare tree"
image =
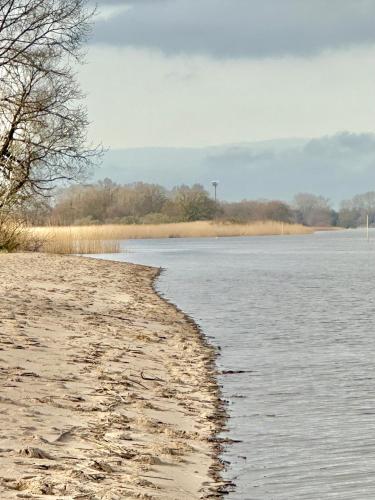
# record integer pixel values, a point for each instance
(28, 26)
(313, 210)
(193, 203)
(42, 122)
(257, 210)
(353, 212)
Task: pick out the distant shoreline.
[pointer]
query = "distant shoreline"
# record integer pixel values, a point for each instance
(106, 238)
(106, 387)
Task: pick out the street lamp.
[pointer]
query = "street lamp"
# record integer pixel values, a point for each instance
(215, 185)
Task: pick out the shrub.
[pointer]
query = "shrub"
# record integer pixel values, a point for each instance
(86, 221)
(156, 218)
(15, 237)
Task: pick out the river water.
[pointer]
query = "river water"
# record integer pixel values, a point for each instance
(297, 315)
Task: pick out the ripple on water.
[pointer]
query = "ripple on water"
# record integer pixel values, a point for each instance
(297, 314)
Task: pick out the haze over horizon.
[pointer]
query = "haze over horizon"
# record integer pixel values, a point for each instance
(204, 82)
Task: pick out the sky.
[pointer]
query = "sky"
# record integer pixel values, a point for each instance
(178, 74)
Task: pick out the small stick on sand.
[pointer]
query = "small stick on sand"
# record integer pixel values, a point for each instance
(151, 378)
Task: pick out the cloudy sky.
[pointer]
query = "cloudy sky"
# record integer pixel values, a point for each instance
(198, 73)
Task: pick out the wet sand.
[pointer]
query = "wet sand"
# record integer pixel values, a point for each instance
(107, 391)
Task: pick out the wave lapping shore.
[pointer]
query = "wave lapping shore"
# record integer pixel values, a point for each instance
(107, 391)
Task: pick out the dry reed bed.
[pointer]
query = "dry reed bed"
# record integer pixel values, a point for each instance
(107, 238)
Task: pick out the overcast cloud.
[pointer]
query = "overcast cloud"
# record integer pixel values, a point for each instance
(337, 166)
(167, 79)
(239, 28)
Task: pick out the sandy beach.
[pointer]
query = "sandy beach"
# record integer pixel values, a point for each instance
(107, 391)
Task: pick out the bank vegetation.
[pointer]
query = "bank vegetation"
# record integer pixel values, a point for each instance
(96, 239)
(106, 202)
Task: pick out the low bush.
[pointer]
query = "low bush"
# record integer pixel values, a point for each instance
(14, 236)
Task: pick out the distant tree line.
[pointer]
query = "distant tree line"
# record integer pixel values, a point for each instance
(141, 203)
(106, 202)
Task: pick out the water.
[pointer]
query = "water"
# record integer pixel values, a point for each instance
(298, 315)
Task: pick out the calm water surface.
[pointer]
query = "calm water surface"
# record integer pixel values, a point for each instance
(298, 314)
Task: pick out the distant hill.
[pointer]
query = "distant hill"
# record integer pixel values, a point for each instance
(336, 166)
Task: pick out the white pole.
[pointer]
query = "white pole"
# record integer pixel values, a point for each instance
(367, 229)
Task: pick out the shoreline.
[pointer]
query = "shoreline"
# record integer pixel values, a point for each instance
(106, 387)
(220, 414)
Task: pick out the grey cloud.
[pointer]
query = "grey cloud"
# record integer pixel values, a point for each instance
(336, 166)
(342, 144)
(241, 28)
(239, 157)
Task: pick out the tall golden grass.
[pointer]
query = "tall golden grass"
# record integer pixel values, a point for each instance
(107, 238)
(75, 240)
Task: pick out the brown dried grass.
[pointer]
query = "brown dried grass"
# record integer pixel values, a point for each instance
(107, 238)
(76, 240)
